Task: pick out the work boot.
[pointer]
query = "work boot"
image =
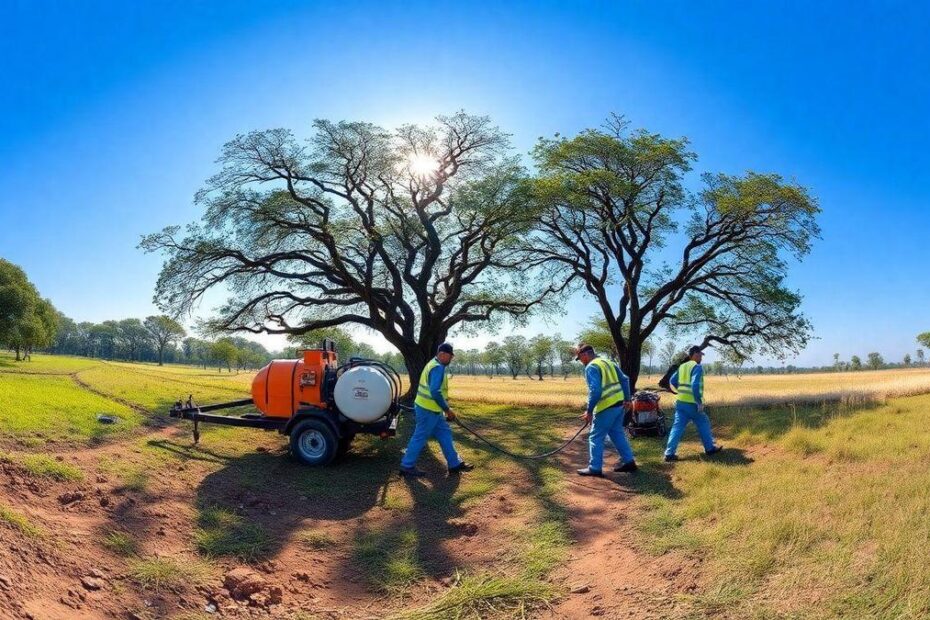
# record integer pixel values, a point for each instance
(587, 471)
(411, 472)
(671, 458)
(463, 466)
(627, 468)
(714, 450)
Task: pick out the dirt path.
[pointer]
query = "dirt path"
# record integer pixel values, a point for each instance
(605, 573)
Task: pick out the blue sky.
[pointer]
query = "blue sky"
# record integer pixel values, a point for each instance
(112, 114)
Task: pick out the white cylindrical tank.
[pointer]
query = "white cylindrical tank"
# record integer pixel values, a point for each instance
(363, 394)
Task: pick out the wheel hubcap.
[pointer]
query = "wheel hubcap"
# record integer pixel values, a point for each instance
(312, 444)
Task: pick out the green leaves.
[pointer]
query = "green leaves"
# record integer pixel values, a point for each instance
(26, 320)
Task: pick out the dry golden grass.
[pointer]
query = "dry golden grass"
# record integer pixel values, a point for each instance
(733, 390)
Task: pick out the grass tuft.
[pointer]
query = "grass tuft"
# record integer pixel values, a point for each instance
(41, 465)
(163, 572)
(20, 523)
(316, 539)
(484, 596)
(224, 533)
(121, 543)
(388, 559)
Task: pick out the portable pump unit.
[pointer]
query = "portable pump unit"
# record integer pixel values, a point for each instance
(319, 404)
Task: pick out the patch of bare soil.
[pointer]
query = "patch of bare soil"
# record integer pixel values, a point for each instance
(64, 570)
(605, 575)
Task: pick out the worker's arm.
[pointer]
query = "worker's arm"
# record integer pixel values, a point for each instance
(593, 376)
(435, 386)
(674, 380)
(696, 373)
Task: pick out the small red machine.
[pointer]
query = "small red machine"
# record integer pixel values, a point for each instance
(318, 403)
(646, 418)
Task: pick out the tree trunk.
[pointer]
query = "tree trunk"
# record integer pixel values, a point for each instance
(17, 354)
(161, 355)
(416, 356)
(630, 366)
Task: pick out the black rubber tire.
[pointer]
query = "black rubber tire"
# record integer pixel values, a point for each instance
(320, 445)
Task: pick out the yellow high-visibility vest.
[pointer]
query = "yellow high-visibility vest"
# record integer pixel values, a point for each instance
(685, 394)
(424, 396)
(611, 388)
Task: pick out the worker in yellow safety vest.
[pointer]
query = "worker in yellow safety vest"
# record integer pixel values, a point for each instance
(689, 406)
(608, 395)
(432, 413)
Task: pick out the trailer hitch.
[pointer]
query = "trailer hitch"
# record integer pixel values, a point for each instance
(197, 414)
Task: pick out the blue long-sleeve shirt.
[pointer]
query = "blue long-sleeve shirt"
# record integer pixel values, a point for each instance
(696, 373)
(592, 375)
(436, 376)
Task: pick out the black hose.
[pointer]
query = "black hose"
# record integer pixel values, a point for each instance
(529, 457)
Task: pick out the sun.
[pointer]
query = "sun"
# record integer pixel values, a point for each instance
(421, 165)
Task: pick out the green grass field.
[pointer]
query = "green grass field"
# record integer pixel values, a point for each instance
(815, 510)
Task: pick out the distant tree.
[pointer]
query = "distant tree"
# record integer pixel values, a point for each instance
(565, 354)
(165, 331)
(907, 359)
(224, 353)
(597, 334)
(493, 357)
(27, 321)
(924, 339)
(136, 337)
(516, 354)
(613, 200)
(717, 367)
(346, 345)
(920, 356)
(670, 353)
(68, 337)
(855, 363)
(196, 351)
(540, 353)
(876, 361)
(836, 362)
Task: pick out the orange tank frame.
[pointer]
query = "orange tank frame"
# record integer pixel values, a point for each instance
(282, 387)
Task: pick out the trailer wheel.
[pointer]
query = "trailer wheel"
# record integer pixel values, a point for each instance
(313, 443)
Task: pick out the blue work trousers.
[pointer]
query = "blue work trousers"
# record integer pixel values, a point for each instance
(430, 424)
(608, 422)
(684, 413)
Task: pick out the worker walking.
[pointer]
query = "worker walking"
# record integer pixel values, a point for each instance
(608, 396)
(431, 411)
(688, 380)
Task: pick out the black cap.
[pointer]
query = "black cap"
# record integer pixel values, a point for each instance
(445, 347)
(582, 348)
(693, 350)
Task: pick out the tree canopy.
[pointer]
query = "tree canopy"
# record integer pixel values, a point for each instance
(410, 233)
(27, 321)
(613, 205)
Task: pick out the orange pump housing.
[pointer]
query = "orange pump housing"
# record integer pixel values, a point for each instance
(283, 386)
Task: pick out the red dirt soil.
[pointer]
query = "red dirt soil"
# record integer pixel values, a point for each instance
(68, 574)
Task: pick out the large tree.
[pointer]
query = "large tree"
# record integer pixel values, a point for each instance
(615, 206)
(410, 233)
(165, 332)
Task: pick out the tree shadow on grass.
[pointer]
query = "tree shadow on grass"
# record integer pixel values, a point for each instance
(410, 544)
